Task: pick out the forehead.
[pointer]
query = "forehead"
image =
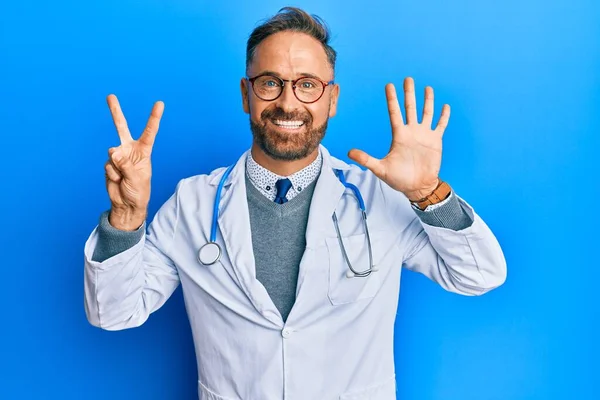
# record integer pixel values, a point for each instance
(290, 54)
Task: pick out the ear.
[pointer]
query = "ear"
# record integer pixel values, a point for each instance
(245, 99)
(333, 99)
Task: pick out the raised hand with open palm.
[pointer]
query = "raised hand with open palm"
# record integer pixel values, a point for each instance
(413, 162)
(128, 169)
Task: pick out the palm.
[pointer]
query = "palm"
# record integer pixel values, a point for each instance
(130, 189)
(418, 155)
(413, 162)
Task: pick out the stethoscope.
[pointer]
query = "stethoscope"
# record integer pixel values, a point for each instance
(211, 252)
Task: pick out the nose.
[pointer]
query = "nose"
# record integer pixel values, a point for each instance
(288, 101)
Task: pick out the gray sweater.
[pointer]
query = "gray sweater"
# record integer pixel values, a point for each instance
(278, 238)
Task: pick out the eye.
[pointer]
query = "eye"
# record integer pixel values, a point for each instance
(306, 84)
(268, 82)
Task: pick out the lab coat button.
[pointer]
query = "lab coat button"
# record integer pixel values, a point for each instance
(286, 333)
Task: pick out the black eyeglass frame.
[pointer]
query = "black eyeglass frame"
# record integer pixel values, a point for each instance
(293, 83)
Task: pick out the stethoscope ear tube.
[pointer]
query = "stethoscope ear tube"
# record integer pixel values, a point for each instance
(352, 273)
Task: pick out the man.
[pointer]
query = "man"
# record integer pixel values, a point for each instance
(295, 296)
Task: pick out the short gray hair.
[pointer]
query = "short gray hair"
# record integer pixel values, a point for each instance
(296, 20)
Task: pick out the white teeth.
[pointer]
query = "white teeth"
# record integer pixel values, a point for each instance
(288, 124)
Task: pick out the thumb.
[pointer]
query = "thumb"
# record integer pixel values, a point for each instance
(122, 163)
(373, 164)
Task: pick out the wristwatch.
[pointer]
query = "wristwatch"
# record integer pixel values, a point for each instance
(441, 192)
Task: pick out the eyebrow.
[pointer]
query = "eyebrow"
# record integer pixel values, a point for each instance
(301, 75)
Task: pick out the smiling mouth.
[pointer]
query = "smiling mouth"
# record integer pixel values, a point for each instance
(287, 124)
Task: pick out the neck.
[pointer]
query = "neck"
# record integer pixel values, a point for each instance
(281, 167)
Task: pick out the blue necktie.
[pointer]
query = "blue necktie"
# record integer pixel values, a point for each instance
(282, 185)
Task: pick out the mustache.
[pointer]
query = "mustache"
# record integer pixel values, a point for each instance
(278, 113)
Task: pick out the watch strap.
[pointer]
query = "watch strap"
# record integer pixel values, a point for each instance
(440, 193)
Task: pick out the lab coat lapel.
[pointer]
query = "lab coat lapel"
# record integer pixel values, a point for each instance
(234, 225)
(327, 194)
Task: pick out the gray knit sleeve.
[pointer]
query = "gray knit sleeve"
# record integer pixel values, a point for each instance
(112, 241)
(451, 215)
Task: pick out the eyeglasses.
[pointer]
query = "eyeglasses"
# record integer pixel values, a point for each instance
(306, 89)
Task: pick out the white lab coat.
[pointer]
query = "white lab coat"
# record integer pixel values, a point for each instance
(337, 342)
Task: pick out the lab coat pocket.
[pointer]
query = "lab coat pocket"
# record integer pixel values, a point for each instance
(385, 390)
(207, 394)
(342, 288)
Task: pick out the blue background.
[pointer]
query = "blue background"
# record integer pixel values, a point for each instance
(522, 78)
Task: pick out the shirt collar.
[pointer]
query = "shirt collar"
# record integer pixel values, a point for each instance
(265, 179)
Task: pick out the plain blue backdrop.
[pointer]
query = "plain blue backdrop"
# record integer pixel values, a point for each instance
(522, 78)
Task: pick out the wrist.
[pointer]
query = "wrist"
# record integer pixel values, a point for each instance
(439, 194)
(417, 196)
(126, 219)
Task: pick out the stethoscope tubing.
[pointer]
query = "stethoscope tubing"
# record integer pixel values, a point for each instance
(340, 175)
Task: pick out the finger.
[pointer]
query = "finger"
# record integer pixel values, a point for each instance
(111, 151)
(367, 161)
(393, 108)
(428, 107)
(149, 134)
(123, 164)
(443, 122)
(111, 172)
(118, 118)
(410, 102)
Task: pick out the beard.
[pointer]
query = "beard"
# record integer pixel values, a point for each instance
(287, 146)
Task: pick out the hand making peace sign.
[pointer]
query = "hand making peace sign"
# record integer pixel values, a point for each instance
(413, 162)
(128, 169)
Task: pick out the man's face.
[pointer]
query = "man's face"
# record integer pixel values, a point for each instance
(286, 128)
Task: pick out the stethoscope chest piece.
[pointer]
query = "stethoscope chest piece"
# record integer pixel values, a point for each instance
(209, 253)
